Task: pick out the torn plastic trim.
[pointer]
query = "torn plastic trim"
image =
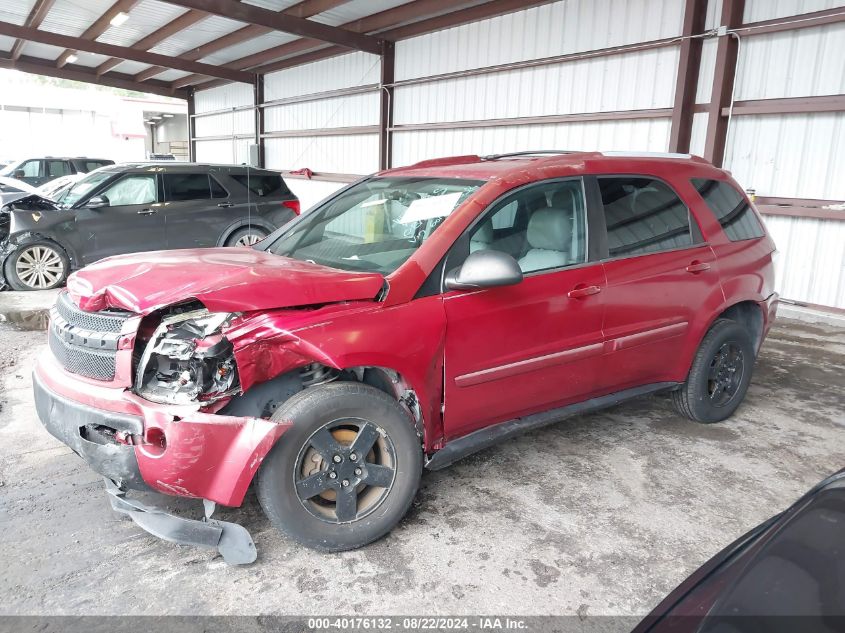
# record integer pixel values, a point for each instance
(231, 540)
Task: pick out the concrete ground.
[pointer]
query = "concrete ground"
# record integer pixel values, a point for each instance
(601, 514)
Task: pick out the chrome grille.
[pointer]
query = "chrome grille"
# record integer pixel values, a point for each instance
(85, 343)
(105, 321)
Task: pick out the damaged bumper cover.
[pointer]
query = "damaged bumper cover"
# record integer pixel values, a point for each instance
(233, 541)
(175, 450)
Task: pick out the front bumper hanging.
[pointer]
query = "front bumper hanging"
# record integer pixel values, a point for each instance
(233, 541)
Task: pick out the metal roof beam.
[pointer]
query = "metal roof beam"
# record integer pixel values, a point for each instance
(79, 44)
(171, 28)
(416, 18)
(99, 27)
(304, 9)
(33, 20)
(81, 73)
(286, 23)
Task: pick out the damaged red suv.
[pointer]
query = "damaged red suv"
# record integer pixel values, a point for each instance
(413, 318)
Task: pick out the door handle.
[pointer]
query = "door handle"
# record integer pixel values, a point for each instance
(698, 267)
(226, 204)
(147, 212)
(580, 291)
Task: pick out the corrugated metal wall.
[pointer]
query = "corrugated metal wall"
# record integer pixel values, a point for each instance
(237, 125)
(332, 153)
(794, 155)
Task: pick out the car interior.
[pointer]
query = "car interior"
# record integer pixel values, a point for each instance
(541, 227)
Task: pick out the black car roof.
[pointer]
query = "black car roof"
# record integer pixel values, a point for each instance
(179, 167)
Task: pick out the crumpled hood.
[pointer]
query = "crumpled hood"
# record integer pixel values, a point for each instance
(223, 279)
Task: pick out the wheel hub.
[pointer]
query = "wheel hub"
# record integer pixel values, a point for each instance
(336, 481)
(725, 375)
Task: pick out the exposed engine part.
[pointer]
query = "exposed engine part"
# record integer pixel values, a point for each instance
(188, 360)
(317, 374)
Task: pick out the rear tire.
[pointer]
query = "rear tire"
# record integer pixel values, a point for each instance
(247, 236)
(719, 376)
(347, 470)
(38, 265)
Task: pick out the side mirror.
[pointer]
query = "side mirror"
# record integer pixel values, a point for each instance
(485, 269)
(97, 202)
(20, 174)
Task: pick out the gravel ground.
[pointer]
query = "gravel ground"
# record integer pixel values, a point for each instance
(601, 514)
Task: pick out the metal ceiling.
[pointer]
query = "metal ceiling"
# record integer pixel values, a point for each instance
(171, 46)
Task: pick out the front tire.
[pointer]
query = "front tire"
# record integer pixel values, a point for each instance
(347, 470)
(39, 265)
(719, 376)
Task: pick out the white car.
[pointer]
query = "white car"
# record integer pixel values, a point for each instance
(12, 189)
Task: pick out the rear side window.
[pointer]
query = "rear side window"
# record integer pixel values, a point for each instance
(738, 220)
(643, 215)
(56, 168)
(262, 185)
(181, 187)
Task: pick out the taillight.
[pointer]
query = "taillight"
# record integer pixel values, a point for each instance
(293, 205)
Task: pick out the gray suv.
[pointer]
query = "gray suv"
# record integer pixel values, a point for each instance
(138, 207)
(37, 171)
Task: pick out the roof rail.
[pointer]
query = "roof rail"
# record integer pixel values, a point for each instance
(537, 152)
(447, 160)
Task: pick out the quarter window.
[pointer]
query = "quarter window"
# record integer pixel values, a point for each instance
(262, 185)
(643, 215)
(542, 227)
(731, 209)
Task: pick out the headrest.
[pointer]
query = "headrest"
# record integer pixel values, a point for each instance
(550, 229)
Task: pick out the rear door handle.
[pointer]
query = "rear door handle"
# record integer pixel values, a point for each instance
(698, 267)
(226, 204)
(580, 291)
(147, 212)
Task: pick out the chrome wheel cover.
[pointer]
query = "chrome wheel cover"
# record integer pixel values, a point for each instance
(39, 267)
(249, 239)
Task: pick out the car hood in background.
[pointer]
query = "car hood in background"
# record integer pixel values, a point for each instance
(32, 202)
(223, 279)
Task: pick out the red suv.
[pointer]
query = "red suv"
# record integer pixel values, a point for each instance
(413, 318)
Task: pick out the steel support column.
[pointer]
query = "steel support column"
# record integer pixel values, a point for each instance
(689, 65)
(192, 127)
(258, 101)
(723, 80)
(385, 135)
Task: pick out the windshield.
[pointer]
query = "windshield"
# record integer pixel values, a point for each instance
(376, 225)
(83, 188)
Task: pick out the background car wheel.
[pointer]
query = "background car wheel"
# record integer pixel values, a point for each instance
(346, 472)
(38, 265)
(719, 376)
(246, 236)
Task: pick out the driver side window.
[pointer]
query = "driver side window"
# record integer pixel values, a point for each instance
(136, 189)
(543, 226)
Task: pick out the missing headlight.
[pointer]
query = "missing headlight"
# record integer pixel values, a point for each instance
(188, 360)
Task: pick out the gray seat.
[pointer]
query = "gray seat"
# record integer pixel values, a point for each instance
(549, 236)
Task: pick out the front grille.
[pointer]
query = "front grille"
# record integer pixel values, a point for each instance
(106, 321)
(81, 360)
(85, 343)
